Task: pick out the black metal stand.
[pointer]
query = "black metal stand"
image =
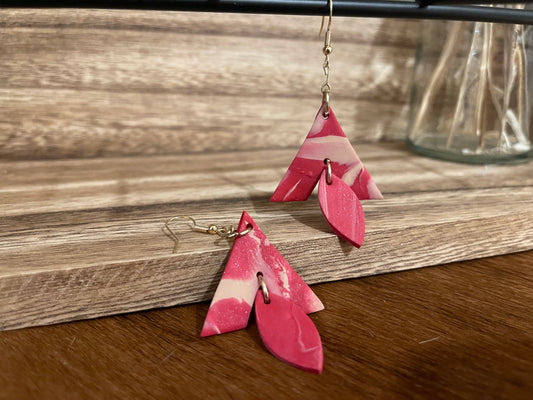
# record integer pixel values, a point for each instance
(346, 8)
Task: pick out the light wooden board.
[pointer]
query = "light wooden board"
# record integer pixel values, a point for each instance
(84, 238)
(80, 83)
(113, 121)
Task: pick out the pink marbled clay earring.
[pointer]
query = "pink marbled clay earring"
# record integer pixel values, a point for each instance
(327, 155)
(257, 273)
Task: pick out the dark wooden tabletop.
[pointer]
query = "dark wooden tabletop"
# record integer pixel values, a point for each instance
(456, 331)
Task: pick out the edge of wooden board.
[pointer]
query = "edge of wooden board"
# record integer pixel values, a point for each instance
(68, 294)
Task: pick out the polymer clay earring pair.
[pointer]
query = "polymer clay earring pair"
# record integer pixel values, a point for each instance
(256, 273)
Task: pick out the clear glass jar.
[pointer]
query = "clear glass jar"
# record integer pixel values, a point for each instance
(472, 95)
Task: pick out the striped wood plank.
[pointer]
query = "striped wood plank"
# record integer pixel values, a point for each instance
(79, 83)
(84, 238)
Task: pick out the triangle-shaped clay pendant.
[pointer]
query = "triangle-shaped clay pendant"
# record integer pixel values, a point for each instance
(235, 294)
(325, 140)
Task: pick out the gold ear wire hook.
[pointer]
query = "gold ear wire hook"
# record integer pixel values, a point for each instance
(327, 49)
(212, 229)
(172, 234)
(330, 4)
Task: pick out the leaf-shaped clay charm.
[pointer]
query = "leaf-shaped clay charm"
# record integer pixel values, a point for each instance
(288, 333)
(342, 209)
(252, 253)
(325, 140)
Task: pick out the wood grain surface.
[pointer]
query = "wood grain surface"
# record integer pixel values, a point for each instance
(79, 83)
(460, 331)
(84, 238)
(113, 121)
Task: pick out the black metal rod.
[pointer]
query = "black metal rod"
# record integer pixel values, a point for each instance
(343, 8)
(470, 2)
